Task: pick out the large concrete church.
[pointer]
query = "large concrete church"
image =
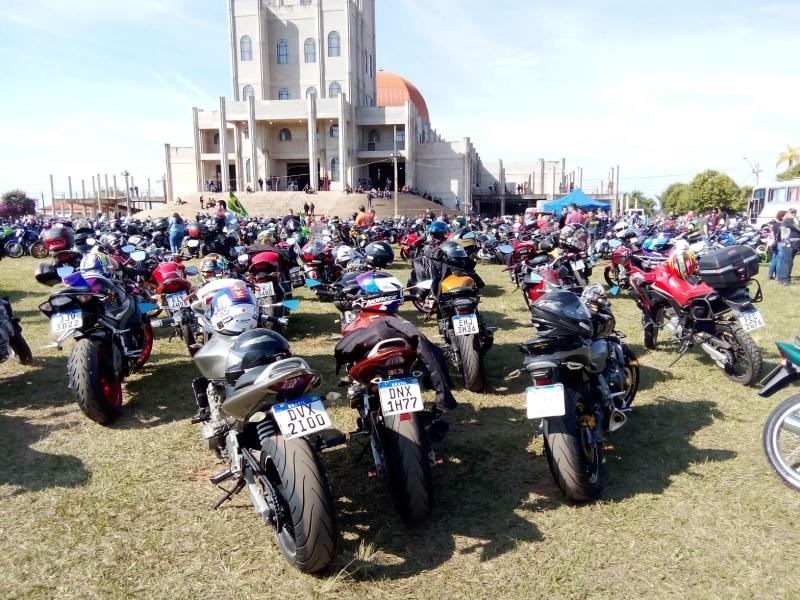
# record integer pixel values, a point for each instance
(306, 91)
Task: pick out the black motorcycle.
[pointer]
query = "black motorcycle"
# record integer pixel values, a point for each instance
(11, 340)
(584, 381)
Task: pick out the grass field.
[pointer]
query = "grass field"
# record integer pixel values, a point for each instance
(691, 507)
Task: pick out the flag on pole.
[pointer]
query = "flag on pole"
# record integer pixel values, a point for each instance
(235, 206)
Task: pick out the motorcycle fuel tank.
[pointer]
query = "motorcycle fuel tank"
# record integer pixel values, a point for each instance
(210, 359)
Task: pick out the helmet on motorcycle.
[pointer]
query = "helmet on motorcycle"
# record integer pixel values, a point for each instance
(255, 348)
(379, 254)
(96, 263)
(547, 244)
(344, 254)
(194, 230)
(233, 309)
(379, 292)
(266, 236)
(456, 256)
(162, 224)
(462, 221)
(438, 230)
(110, 240)
(563, 312)
(682, 263)
(215, 265)
(574, 236)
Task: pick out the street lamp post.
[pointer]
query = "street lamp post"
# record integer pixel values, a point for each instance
(394, 160)
(127, 175)
(755, 169)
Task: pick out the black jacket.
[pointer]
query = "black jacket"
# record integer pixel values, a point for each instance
(355, 347)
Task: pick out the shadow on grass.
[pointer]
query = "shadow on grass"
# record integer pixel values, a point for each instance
(43, 384)
(485, 478)
(162, 394)
(28, 469)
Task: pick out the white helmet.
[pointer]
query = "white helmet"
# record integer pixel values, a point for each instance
(344, 254)
(233, 310)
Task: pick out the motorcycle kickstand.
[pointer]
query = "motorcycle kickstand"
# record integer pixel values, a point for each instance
(684, 349)
(240, 483)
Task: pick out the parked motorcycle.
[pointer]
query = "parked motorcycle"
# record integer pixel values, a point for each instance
(782, 429)
(12, 341)
(584, 381)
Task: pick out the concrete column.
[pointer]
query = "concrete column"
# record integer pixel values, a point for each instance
(223, 141)
(321, 54)
(69, 182)
(344, 178)
(251, 125)
(83, 196)
(616, 185)
(234, 54)
(237, 151)
(198, 149)
(541, 176)
(116, 196)
(312, 141)
(553, 189)
(96, 192)
(502, 177)
(52, 196)
(467, 199)
(265, 154)
(168, 174)
(264, 63)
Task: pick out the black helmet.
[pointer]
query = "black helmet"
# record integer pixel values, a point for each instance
(547, 244)
(82, 240)
(255, 348)
(162, 224)
(563, 312)
(456, 256)
(379, 254)
(46, 274)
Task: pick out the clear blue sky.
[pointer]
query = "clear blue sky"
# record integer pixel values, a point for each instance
(664, 89)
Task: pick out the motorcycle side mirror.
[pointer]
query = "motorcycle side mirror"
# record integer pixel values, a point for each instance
(192, 271)
(65, 271)
(128, 249)
(614, 290)
(138, 255)
(424, 285)
(312, 283)
(505, 249)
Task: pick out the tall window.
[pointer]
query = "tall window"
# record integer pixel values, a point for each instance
(335, 168)
(246, 132)
(334, 89)
(285, 135)
(374, 137)
(400, 136)
(283, 52)
(334, 131)
(310, 47)
(334, 44)
(247, 92)
(312, 91)
(283, 94)
(247, 169)
(216, 139)
(246, 47)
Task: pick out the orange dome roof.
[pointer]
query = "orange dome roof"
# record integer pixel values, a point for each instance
(394, 90)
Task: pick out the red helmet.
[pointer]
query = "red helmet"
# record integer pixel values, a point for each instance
(682, 263)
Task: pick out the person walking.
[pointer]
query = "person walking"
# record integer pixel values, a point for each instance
(177, 231)
(305, 208)
(311, 208)
(261, 184)
(775, 226)
(790, 237)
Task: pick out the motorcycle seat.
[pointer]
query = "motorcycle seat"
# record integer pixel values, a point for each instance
(683, 291)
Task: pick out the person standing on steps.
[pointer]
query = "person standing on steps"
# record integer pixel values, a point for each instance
(260, 184)
(311, 208)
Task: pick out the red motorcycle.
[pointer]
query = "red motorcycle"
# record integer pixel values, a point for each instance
(705, 303)
(267, 274)
(411, 245)
(320, 268)
(173, 292)
(625, 262)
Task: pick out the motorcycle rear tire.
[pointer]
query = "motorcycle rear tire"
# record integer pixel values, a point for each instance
(772, 431)
(14, 249)
(188, 338)
(471, 362)
(611, 275)
(579, 478)
(407, 450)
(22, 352)
(632, 371)
(38, 250)
(295, 470)
(650, 334)
(738, 337)
(96, 390)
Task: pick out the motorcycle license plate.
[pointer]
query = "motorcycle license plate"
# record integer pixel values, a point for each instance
(301, 417)
(465, 324)
(193, 243)
(400, 396)
(265, 290)
(752, 320)
(545, 401)
(176, 300)
(66, 321)
(579, 265)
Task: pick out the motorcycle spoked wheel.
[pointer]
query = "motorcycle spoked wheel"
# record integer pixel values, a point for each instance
(420, 305)
(471, 362)
(746, 367)
(611, 275)
(574, 461)
(91, 377)
(782, 441)
(38, 250)
(308, 536)
(14, 249)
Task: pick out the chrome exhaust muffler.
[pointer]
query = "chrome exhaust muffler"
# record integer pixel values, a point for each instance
(616, 420)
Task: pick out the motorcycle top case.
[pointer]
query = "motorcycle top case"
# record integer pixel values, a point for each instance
(728, 267)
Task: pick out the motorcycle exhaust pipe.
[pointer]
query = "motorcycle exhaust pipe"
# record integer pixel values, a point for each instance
(616, 420)
(717, 356)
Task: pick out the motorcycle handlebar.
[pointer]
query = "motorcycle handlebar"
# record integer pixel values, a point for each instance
(277, 321)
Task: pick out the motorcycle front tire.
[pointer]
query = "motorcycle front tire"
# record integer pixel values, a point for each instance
(309, 540)
(38, 250)
(772, 433)
(407, 451)
(579, 477)
(95, 388)
(14, 249)
(471, 362)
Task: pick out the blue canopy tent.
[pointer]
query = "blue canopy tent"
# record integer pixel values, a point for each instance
(579, 199)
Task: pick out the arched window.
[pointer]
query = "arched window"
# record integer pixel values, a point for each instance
(283, 52)
(335, 168)
(247, 169)
(246, 46)
(374, 136)
(334, 89)
(285, 135)
(334, 131)
(334, 44)
(216, 139)
(310, 47)
(247, 92)
(283, 94)
(312, 91)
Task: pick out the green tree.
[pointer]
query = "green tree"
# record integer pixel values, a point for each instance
(790, 173)
(711, 189)
(16, 203)
(673, 199)
(791, 156)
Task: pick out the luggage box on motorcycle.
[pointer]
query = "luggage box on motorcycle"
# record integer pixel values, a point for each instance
(728, 267)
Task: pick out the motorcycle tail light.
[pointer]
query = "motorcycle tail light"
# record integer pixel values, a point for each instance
(300, 382)
(46, 307)
(542, 378)
(464, 311)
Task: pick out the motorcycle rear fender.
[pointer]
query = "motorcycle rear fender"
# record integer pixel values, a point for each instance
(780, 376)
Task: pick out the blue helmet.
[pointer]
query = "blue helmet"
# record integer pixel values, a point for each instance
(438, 230)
